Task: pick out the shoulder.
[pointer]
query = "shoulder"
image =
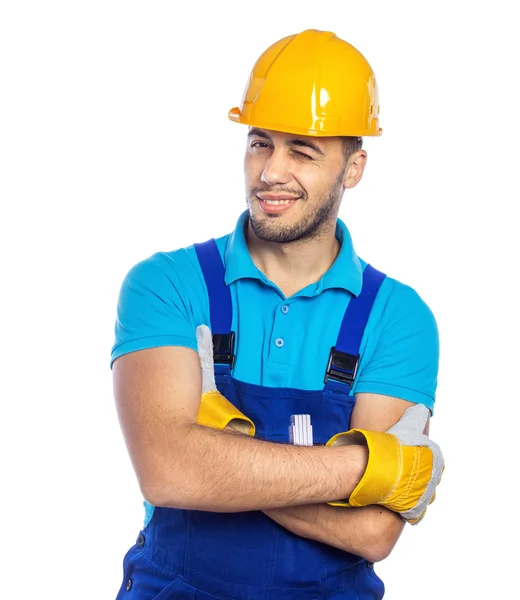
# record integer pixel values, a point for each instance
(165, 266)
(402, 325)
(178, 269)
(161, 301)
(400, 348)
(398, 302)
(170, 277)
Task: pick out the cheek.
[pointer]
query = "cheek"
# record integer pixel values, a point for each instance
(309, 182)
(318, 185)
(253, 167)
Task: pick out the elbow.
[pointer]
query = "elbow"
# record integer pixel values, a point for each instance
(175, 488)
(382, 536)
(154, 494)
(166, 478)
(163, 489)
(378, 551)
(158, 493)
(377, 548)
(152, 490)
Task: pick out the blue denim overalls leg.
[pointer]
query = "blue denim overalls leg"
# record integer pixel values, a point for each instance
(189, 554)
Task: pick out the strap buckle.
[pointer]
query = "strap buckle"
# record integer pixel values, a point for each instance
(341, 367)
(224, 348)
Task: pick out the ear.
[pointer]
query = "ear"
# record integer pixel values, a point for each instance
(354, 169)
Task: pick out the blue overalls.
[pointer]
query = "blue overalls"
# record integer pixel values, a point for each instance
(190, 554)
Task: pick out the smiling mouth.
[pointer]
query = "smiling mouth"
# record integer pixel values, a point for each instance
(275, 206)
(278, 202)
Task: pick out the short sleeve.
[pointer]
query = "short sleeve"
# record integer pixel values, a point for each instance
(401, 357)
(152, 309)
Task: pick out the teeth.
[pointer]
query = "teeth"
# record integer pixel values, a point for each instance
(276, 202)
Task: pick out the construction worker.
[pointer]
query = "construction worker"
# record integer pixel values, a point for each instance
(273, 388)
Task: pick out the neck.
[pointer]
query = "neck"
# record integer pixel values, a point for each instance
(295, 265)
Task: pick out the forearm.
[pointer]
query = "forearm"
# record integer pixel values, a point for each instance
(223, 472)
(370, 532)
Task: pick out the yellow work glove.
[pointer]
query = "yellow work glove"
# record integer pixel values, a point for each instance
(404, 466)
(215, 411)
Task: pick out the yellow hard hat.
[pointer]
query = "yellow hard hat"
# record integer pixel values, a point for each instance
(312, 83)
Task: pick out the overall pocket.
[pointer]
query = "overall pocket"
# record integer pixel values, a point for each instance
(144, 580)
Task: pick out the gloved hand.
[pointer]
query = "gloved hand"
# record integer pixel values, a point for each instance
(404, 466)
(215, 411)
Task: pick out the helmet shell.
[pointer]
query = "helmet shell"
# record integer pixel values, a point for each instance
(312, 83)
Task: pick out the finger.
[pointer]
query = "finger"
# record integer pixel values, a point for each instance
(414, 419)
(205, 347)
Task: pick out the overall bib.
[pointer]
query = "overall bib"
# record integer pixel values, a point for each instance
(198, 555)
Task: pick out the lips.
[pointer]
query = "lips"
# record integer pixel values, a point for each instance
(275, 197)
(272, 204)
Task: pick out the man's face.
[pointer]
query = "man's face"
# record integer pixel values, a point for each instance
(294, 184)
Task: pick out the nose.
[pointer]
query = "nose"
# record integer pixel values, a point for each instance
(276, 169)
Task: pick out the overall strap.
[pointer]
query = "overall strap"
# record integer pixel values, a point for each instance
(220, 306)
(344, 356)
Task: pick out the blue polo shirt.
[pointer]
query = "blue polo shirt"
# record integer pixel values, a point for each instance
(283, 342)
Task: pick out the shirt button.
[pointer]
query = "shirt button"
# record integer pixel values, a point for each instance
(128, 585)
(279, 342)
(285, 309)
(140, 540)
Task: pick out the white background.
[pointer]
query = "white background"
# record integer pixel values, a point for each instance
(115, 144)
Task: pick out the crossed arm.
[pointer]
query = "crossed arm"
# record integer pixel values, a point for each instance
(181, 464)
(372, 531)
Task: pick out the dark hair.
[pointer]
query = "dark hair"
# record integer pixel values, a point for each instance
(351, 145)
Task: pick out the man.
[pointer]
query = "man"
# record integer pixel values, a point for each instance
(301, 326)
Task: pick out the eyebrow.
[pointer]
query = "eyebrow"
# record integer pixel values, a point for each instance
(294, 142)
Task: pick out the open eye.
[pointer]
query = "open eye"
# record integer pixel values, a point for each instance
(259, 144)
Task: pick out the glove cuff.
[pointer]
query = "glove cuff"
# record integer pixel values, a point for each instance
(379, 478)
(217, 412)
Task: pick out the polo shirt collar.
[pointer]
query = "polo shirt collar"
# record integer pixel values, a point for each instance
(346, 271)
